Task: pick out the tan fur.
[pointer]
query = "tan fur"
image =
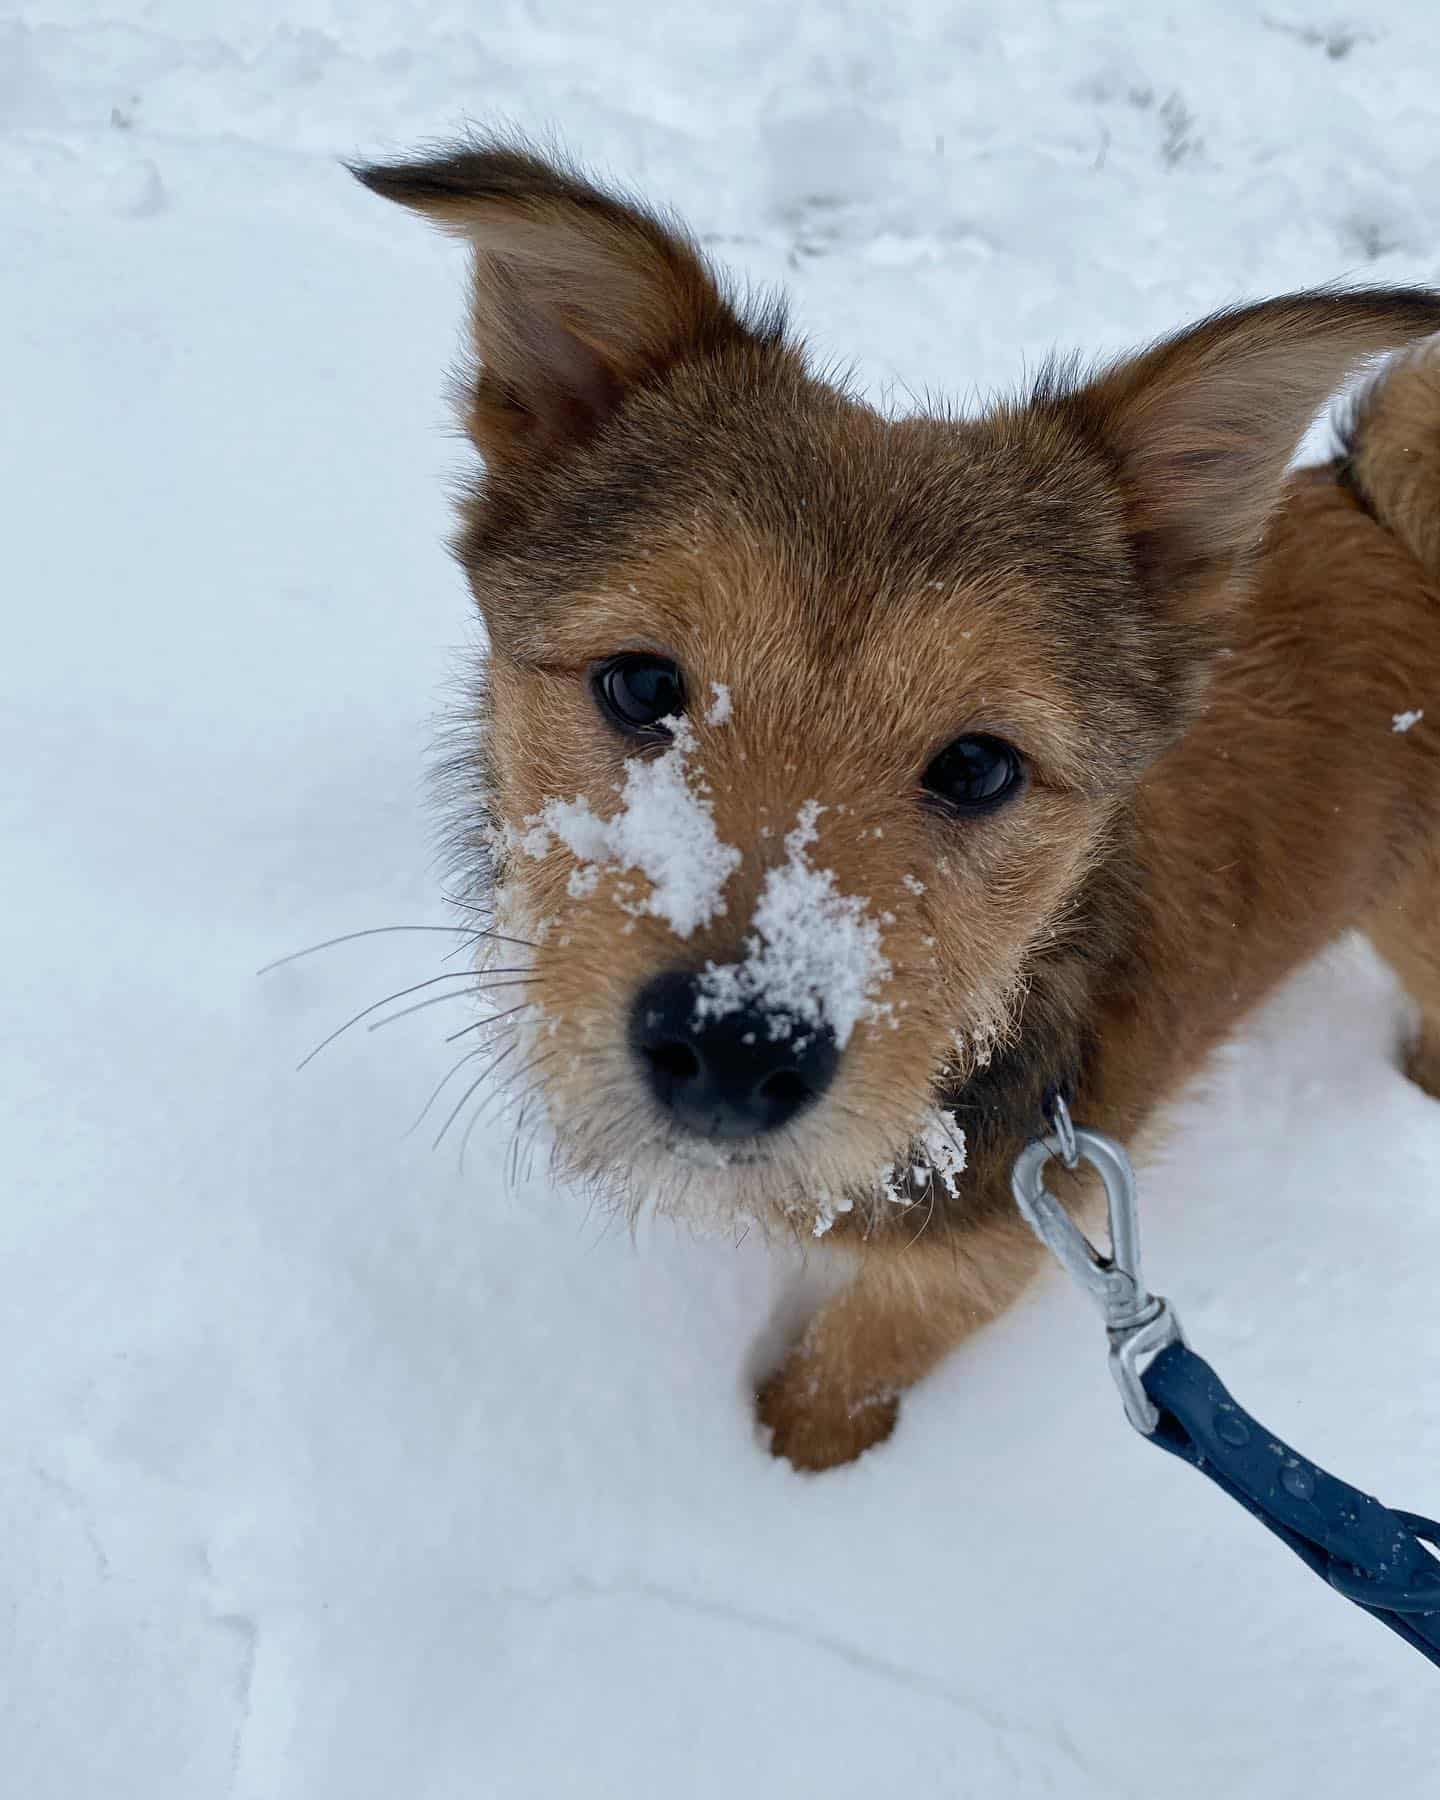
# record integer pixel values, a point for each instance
(839, 1390)
(1200, 668)
(1395, 460)
(1405, 929)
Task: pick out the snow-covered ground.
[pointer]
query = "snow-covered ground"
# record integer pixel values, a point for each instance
(329, 1471)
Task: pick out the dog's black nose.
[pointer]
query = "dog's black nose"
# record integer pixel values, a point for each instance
(734, 1075)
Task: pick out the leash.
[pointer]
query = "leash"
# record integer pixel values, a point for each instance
(1367, 1552)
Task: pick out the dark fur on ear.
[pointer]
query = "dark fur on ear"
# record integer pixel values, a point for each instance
(578, 297)
(1198, 430)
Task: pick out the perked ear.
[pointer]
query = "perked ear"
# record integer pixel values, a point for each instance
(1199, 429)
(577, 297)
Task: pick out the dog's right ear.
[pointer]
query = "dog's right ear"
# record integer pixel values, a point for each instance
(577, 297)
(1198, 430)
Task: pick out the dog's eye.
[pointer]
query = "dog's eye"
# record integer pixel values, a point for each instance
(974, 774)
(639, 691)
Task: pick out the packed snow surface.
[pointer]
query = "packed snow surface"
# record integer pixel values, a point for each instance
(329, 1471)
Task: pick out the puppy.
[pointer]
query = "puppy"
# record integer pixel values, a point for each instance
(860, 782)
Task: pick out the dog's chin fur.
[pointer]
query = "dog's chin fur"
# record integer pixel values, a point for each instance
(821, 1169)
(789, 1186)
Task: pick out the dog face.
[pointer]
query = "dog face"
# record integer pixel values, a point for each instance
(807, 733)
(826, 687)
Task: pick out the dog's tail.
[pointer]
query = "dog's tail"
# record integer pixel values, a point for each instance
(1391, 457)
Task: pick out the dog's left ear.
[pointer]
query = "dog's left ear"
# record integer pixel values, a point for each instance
(578, 297)
(1200, 428)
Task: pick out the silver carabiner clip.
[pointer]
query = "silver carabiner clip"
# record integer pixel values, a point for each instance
(1138, 1323)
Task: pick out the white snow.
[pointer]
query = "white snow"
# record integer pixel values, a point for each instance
(942, 1151)
(720, 708)
(664, 828)
(813, 955)
(1407, 721)
(329, 1472)
(936, 1161)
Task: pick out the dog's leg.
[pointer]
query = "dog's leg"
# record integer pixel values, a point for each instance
(1406, 932)
(838, 1391)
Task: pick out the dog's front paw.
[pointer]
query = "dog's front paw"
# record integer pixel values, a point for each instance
(815, 1425)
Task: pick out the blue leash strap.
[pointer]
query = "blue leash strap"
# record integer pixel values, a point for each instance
(1364, 1550)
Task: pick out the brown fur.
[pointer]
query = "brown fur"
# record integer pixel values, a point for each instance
(1200, 668)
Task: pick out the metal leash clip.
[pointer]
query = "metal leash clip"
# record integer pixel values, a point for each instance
(1139, 1324)
(1368, 1552)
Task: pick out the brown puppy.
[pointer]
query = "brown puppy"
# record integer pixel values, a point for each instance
(859, 781)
